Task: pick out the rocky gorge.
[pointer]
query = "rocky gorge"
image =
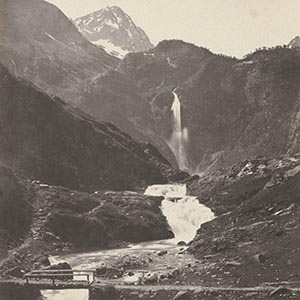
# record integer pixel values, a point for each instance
(91, 149)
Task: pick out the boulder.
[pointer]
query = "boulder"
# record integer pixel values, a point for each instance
(15, 272)
(150, 278)
(280, 291)
(162, 252)
(130, 273)
(43, 261)
(173, 274)
(183, 295)
(261, 258)
(181, 243)
(110, 272)
(61, 266)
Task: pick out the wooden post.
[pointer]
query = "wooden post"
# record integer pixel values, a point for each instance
(88, 278)
(53, 281)
(27, 280)
(94, 275)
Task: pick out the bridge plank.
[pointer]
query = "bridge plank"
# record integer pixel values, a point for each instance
(53, 275)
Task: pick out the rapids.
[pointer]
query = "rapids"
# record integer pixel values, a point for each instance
(184, 214)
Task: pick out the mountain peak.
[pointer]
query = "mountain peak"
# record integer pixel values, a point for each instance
(115, 8)
(114, 31)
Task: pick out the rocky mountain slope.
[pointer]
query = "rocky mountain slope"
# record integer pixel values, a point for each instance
(42, 138)
(113, 30)
(257, 229)
(39, 43)
(48, 148)
(232, 109)
(60, 220)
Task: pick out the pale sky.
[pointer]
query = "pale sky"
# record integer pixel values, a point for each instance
(231, 27)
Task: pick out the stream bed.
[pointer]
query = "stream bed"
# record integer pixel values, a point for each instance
(184, 214)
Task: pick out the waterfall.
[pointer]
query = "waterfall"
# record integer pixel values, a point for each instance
(184, 213)
(179, 136)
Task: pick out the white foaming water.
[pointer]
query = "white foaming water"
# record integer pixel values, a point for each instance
(167, 190)
(179, 136)
(80, 294)
(184, 213)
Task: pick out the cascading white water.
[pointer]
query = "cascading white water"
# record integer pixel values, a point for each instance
(179, 137)
(184, 213)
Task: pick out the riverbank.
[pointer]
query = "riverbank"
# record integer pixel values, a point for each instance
(66, 221)
(257, 209)
(255, 238)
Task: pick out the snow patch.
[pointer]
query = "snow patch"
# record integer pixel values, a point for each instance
(51, 37)
(110, 48)
(88, 21)
(129, 33)
(99, 28)
(85, 30)
(119, 19)
(172, 64)
(112, 24)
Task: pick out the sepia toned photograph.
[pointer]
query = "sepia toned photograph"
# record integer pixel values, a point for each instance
(149, 150)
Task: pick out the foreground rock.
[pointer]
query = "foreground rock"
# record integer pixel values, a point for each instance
(64, 220)
(281, 291)
(183, 295)
(105, 217)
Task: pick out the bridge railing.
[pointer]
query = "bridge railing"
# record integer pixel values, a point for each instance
(63, 275)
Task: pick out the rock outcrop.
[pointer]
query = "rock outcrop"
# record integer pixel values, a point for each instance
(257, 228)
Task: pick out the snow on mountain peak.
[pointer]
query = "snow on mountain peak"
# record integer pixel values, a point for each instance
(113, 30)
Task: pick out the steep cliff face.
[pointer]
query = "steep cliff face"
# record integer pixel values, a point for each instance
(43, 138)
(246, 108)
(233, 109)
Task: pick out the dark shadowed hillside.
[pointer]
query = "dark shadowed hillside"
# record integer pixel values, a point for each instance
(43, 138)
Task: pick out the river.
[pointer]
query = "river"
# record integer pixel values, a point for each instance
(184, 214)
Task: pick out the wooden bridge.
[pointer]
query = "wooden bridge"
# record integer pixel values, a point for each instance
(60, 279)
